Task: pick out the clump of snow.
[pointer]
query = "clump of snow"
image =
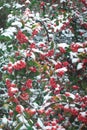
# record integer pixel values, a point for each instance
(22, 119)
(74, 60)
(79, 66)
(73, 56)
(63, 45)
(62, 1)
(4, 120)
(83, 114)
(23, 127)
(9, 32)
(81, 50)
(68, 94)
(61, 69)
(17, 23)
(18, 6)
(41, 124)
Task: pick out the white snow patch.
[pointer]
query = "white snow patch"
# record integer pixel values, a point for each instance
(83, 114)
(41, 124)
(63, 45)
(61, 69)
(4, 120)
(22, 119)
(80, 50)
(17, 23)
(74, 60)
(13, 89)
(70, 95)
(85, 49)
(79, 66)
(9, 32)
(18, 6)
(47, 97)
(23, 127)
(62, 1)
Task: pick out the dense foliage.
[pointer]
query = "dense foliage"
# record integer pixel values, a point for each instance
(43, 54)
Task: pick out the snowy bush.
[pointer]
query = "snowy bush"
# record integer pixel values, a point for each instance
(45, 79)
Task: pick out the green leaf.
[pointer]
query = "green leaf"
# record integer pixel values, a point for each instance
(4, 38)
(70, 99)
(15, 47)
(63, 98)
(23, 46)
(33, 74)
(12, 59)
(29, 128)
(52, 45)
(33, 63)
(18, 126)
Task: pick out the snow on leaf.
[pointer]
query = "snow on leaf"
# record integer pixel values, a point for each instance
(4, 120)
(18, 126)
(9, 32)
(79, 66)
(63, 45)
(40, 123)
(80, 50)
(70, 95)
(33, 55)
(47, 97)
(17, 23)
(74, 60)
(37, 50)
(61, 69)
(62, 1)
(23, 127)
(18, 6)
(83, 114)
(22, 119)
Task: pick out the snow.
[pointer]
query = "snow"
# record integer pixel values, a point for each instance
(61, 69)
(62, 1)
(74, 60)
(33, 55)
(85, 35)
(22, 119)
(23, 127)
(41, 124)
(79, 66)
(70, 95)
(73, 57)
(60, 128)
(46, 94)
(2, 46)
(63, 45)
(83, 114)
(35, 105)
(81, 50)
(4, 120)
(47, 97)
(7, 5)
(17, 23)
(9, 32)
(13, 89)
(72, 105)
(66, 106)
(10, 18)
(85, 49)
(18, 6)
(37, 50)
